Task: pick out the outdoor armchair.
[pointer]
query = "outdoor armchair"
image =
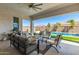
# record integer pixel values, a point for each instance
(54, 43)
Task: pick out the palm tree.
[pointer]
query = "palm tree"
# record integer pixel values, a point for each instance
(72, 23)
(67, 28)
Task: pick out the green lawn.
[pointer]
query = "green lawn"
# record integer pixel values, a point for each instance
(69, 38)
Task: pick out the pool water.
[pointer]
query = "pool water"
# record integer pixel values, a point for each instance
(65, 34)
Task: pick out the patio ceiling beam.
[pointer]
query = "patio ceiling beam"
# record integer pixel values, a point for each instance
(68, 8)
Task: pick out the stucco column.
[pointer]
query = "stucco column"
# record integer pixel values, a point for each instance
(20, 23)
(31, 26)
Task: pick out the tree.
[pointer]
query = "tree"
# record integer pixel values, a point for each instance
(71, 26)
(72, 23)
(48, 27)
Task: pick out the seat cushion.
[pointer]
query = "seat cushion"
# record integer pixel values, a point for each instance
(32, 39)
(51, 42)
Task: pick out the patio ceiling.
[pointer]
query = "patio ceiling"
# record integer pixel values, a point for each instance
(21, 9)
(48, 9)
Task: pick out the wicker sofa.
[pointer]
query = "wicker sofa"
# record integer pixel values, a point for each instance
(22, 44)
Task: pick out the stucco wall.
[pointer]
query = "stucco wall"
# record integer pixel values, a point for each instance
(6, 24)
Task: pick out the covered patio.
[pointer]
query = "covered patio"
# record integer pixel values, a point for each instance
(8, 11)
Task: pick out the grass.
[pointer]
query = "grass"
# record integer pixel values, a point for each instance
(69, 38)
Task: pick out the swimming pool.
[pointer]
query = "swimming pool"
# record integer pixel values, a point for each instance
(65, 34)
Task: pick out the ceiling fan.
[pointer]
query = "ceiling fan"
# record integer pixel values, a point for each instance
(35, 6)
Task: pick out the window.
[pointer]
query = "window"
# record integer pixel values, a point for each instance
(26, 25)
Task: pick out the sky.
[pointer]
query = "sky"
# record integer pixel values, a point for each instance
(53, 20)
(26, 22)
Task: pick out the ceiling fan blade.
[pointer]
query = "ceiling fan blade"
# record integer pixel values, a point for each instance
(37, 7)
(38, 4)
(34, 9)
(34, 6)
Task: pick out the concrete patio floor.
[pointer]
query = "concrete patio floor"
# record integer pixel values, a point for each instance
(5, 48)
(67, 48)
